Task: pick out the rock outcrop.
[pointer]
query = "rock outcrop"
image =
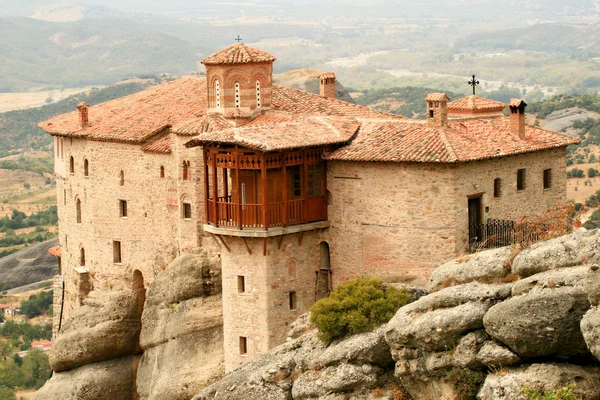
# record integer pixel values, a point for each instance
(182, 330)
(590, 323)
(105, 380)
(107, 326)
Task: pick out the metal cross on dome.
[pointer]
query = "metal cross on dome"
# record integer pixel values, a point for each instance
(473, 82)
(238, 39)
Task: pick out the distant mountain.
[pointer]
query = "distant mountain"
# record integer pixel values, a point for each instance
(90, 51)
(556, 38)
(32, 264)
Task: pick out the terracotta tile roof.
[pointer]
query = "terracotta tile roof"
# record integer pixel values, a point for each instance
(293, 134)
(515, 102)
(437, 97)
(55, 251)
(475, 103)
(327, 75)
(136, 117)
(206, 123)
(161, 145)
(469, 140)
(295, 101)
(238, 53)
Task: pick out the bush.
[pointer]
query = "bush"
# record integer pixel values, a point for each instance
(356, 306)
(466, 382)
(565, 393)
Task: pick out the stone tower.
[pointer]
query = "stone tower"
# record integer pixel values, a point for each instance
(437, 109)
(239, 80)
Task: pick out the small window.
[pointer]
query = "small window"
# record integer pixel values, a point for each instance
(78, 210)
(162, 171)
(547, 178)
(116, 251)
(121, 178)
(437, 104)
(72, 165)
(258, 94)
(237, 95)
(430, 113)
(186, 170)
(521, 179)
(497, 187)
(187, 211)
(82, 257)
(243, 345)
(86, 168)
(64, 197)
(241, 282)
(293, 304)
(217, 94)
(123, 208)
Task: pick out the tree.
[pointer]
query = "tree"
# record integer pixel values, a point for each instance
(7, 393)
(592, 172)
(36, 369)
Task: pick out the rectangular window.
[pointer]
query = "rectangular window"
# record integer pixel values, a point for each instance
(315, 180)
(187, 211)
(243, 345)
(297, 181)
(521, 179)
(116, 251)
(123, 208)
(241, 281)
(547, 178)
(497, 187)
(293, 305)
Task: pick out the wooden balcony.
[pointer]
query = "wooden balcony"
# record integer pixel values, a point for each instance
(256, 191)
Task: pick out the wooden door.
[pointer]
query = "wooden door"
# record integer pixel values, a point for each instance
(474, 219)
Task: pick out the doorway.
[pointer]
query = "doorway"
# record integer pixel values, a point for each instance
(475, 219)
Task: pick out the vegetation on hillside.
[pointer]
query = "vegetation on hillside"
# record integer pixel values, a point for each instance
(19, 130)
(563, 101)
(565, 393)
(356, 306)
(37, 304)
(19, 220)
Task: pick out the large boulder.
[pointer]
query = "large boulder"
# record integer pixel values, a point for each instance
(438, 321)
(541, 323)
(182, 330)
(580, 247)
(107, 326)
(105, 380)
(335, 379)
(494, 355)
(574, 277)
(590, 328)
(506, 384)
(486, 265)
(593, 285)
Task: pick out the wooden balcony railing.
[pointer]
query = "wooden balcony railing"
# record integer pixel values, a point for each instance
(248, 216)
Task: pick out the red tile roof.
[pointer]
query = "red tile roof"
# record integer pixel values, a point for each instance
(206, 123)
(475, 103)
(437, 97)
(469, 140)
(327, 75)
(296, 133)
(55, 251)
(161, 145)
(238, 53)
(137, 117)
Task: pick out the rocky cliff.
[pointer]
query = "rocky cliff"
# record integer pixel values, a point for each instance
(488, 325)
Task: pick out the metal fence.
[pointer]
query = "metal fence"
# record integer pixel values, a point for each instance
(499, 233)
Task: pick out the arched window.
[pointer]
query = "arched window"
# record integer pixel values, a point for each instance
(237, 95)
(78, 206)
(72, 165)
(258, 94)
(218, 94)
(82, 257)
(122, 178)
(162, 171)
(86, 168)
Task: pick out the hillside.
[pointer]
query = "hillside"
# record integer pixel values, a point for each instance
(92, 51)
(30, 265)
(19, 131)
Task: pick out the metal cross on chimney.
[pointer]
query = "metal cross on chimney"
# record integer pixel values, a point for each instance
(473, 82)
(238, 39)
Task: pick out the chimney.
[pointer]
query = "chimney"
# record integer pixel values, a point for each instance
(327, 80)
(437, 109)
(84, 120)
(517, 117)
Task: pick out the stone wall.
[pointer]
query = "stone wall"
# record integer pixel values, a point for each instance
(397, 221)
(262, 313)
(154, 230)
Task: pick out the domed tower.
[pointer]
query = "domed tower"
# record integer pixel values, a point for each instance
(239, 81)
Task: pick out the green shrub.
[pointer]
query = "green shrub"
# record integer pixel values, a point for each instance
(356, 306)
(466, 382)
(565, 393)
